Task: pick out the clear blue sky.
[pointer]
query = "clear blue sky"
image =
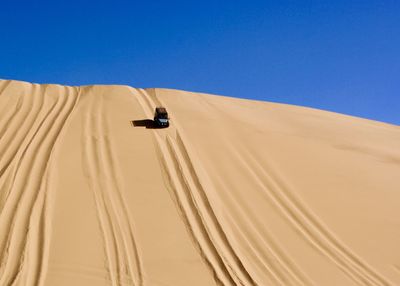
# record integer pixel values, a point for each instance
(337, 55)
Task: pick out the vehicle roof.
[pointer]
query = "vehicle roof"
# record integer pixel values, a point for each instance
(161, 110)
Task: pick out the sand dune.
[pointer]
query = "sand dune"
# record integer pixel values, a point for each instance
(234, 192)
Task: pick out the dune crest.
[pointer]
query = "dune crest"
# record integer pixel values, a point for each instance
(234, 192)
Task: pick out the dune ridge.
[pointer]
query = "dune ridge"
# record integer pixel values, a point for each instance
(234, 192)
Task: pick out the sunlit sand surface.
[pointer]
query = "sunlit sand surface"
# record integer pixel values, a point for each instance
(234, 192)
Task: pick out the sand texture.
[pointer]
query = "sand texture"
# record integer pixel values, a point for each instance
(234, 192)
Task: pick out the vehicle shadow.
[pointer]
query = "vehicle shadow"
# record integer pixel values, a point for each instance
(148, 123)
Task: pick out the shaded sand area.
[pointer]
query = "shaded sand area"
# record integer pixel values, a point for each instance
(234, 192)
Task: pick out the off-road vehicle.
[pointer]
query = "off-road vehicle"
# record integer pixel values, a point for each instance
(161, 117)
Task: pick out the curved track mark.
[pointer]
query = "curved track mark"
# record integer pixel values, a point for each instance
(18, 218)
(313, 231)
(193, 202)
(112, 212)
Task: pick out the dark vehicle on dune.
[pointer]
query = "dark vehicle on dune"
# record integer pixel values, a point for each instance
(161, 117)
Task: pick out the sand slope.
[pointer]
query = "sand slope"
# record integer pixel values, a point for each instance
(235, 192)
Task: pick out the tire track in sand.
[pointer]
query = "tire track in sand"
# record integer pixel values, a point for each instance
(29, 198)
(277, 265)
(122, 254)
(41, 218)
(18, 134)
(118, 202)
(4, 85)
(19, 124)
(261, 246)
(8, 110)
(195, 208)
(27, 235)
(6, 124)
(12, 213)
(185, 205)
(312, 230)
(318, 235)
(275, 261)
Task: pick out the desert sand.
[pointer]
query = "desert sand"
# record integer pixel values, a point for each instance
(234, 192)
